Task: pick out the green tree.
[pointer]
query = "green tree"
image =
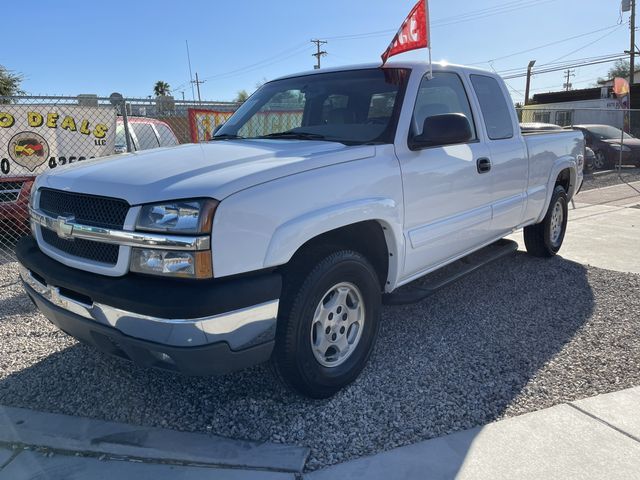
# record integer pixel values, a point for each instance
(241, 96)
(161, 88)
(620, 69)
(9, 83)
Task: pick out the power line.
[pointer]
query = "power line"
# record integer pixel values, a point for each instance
(550, 44)
(263, 63)
(564, 64)
(587, 45)
(465, 17)
(555, 69)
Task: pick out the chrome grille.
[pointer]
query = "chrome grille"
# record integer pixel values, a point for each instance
(86, 209)
(96, 251)
(10, 191)
(91, 210)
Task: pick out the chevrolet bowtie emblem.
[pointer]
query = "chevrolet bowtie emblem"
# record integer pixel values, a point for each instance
(64, 227)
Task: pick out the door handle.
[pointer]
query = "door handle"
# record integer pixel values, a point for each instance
(484, 165)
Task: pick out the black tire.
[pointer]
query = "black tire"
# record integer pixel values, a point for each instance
(599, 161)
(293, 358)
(538, 238)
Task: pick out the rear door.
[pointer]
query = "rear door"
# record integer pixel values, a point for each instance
(509, 168)
(447, 202)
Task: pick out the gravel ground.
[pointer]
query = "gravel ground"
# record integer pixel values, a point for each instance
(517, 336)
(607, 179)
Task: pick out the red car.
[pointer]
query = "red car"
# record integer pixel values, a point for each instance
(14, 201)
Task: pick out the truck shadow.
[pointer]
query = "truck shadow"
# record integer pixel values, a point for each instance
(473, 353)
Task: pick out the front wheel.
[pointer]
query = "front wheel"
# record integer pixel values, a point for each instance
(544, 239)
(599, 161)
(328, 324)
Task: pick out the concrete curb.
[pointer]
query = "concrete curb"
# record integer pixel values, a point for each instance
(77, 434)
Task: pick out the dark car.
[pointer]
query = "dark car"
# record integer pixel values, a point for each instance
(605, 141)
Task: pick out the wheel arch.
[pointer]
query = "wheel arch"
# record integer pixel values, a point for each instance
(377, 237)
(564, 173)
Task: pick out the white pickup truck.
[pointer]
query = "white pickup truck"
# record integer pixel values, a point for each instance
(278, 240)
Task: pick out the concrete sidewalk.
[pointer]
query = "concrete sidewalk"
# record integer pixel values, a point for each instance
(593, 218)
(595, 438)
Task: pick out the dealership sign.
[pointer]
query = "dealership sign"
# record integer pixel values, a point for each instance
(202, 123)
(34, 138)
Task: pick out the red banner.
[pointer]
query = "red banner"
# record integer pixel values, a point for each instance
(413, 33)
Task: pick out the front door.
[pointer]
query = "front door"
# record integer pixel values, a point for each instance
(447, 198)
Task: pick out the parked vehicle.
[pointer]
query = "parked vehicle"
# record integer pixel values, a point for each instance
(145, 133)
(14, 200)
(281, 244)
(605, 142)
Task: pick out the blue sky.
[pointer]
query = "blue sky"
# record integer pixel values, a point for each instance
(77, 47)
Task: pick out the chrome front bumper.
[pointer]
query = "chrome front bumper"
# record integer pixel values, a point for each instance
(240, 329)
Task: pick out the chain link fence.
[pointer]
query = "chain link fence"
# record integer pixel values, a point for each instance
(41, 133)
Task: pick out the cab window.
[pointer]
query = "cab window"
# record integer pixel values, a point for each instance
(444, 93)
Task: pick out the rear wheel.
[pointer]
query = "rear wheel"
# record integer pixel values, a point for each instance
(544, 239)
(328, 324)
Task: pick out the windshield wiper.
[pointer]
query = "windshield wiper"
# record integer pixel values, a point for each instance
(226, 136)
(295, 135)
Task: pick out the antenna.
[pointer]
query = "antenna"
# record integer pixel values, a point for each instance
(193, 93)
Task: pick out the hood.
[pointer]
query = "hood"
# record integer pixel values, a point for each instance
(632, 143)
(214, 169)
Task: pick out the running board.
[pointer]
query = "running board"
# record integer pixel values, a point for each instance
(426, 286)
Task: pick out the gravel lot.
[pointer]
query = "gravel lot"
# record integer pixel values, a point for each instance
(609, 178)
(520, 335)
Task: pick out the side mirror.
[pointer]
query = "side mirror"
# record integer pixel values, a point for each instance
(445, 129)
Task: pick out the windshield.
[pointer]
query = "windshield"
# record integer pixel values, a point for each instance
(352, 107)
(605, 132)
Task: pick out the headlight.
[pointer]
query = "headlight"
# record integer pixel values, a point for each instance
(171, 263)
(186, 217)
(181, 216)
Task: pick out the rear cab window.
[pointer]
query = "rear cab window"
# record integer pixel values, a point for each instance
(496, 112)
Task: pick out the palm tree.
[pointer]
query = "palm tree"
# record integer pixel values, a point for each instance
(161, 88)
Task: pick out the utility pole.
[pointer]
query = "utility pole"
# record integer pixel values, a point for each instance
(318, 53)
(630, 6)
(568, 74)
(526, 90)
(632, 50)
(197, 83)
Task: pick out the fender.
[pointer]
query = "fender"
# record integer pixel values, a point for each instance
(564, 162)
(290, 236)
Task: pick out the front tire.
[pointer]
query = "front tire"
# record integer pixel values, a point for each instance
(544, 239)
(328, 324)
(600, 160)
